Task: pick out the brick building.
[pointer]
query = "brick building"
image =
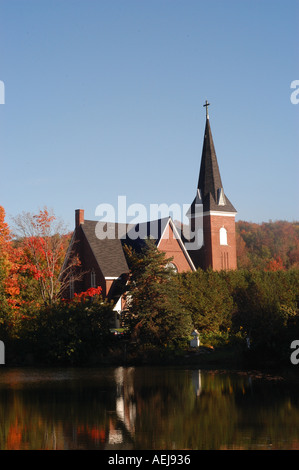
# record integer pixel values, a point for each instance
(219, 239)
(103, 260)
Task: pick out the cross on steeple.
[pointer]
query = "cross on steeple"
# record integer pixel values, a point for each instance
(207, 110)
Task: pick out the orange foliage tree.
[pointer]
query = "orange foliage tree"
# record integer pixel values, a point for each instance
(9, 285)
(42, 244)
(5, 241)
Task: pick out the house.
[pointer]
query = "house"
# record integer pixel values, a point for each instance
(103, 260)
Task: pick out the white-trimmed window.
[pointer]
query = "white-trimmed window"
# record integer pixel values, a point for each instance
(172, 266)
(220, 197)
(223, 236)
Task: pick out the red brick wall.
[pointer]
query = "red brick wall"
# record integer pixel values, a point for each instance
(172, 248)
(79, 217)
(219, 256)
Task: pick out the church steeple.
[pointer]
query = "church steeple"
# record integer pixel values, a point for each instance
(212, 210)
(210, 188)
(209, 180)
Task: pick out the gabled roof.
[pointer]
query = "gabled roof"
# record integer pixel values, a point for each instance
(209, 188)
(155, 230)
(108, 252)
(138, 233)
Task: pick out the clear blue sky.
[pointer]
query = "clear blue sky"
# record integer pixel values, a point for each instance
(105, 98)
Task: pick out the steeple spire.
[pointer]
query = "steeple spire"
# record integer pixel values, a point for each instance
(209, 177)
(210, 189)
(211, 214)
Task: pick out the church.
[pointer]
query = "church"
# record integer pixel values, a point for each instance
(103, 261)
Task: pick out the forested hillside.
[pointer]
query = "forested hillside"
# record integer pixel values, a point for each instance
(270, 245)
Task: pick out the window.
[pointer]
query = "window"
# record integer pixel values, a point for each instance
(72, 287)
(172, 266)
(220, 197)
(223, 236)
(224, 261)
(93, 279)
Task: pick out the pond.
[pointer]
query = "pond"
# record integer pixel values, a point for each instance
(154, 408)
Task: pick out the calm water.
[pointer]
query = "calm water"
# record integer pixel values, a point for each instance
(146, 408)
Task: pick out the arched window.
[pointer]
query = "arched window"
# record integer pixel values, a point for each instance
(223, 236)
(172, 266)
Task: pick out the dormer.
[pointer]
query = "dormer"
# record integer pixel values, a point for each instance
(221, 201)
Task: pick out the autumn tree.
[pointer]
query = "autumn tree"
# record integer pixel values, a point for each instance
(9, 266)
(270, 246)
(5, 242)
(69, 332)
(44, 242)
(9, 287)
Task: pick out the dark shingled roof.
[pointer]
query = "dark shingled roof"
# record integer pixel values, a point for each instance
(209, 181)
(108, 251)
(107, 239)
(153, 229)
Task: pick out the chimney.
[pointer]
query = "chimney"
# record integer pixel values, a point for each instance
(79, 217)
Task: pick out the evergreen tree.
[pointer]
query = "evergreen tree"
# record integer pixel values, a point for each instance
(206, 296)
(155, 313)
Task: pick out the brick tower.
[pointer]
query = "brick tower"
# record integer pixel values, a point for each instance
(218, 214)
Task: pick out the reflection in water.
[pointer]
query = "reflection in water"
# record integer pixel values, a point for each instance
(124, 406)
(196, 380)
(145, 408)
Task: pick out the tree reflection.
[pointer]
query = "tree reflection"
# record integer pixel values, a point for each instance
(146, 408)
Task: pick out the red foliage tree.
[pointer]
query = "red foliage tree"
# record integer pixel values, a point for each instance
(43, 243)
(9, 289)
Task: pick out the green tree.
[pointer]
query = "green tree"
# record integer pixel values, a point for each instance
(206, 297)
(155, 313)
(67, 333)
(267, 308)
